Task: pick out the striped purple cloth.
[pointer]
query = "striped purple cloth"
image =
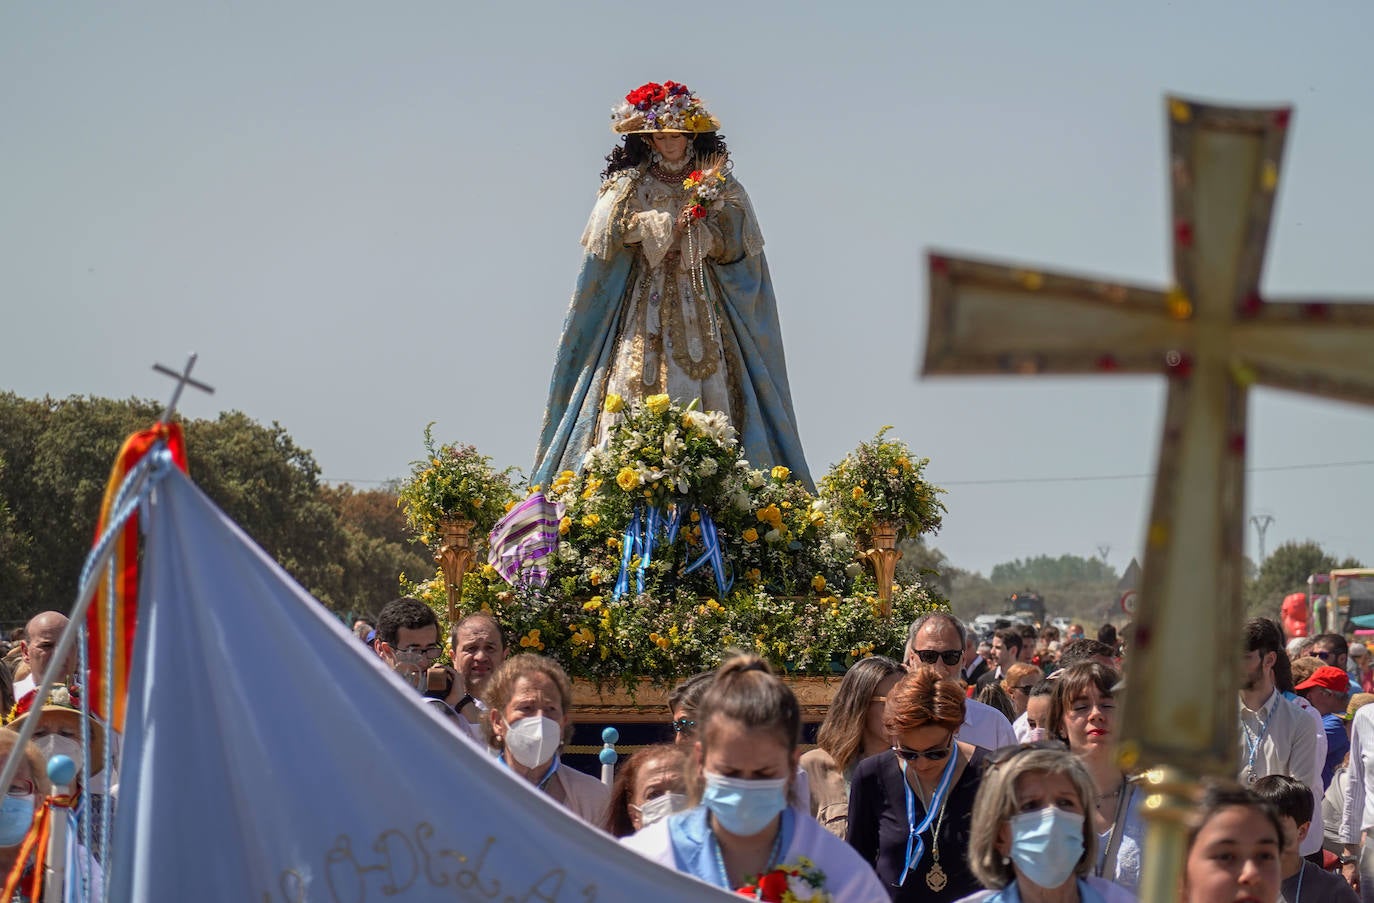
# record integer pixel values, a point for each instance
(522, 541)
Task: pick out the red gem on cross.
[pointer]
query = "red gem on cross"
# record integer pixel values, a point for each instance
(1250, 305)
(1281, 117)
(1237, 443)
(1317, 310)
(1106, 362)
(1183, 233)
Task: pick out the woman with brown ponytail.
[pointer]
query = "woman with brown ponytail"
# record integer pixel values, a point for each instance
(741, 833)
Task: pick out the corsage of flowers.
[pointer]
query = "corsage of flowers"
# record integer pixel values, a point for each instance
(799, 883)
(706, 185)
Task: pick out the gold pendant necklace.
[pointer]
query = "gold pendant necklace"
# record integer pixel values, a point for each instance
(936, 879)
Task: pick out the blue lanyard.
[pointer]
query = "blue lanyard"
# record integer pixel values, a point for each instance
(915, 844)
(1253, 743)
(774, 857)
(548, 775)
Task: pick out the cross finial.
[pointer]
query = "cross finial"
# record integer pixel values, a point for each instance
(183, 380)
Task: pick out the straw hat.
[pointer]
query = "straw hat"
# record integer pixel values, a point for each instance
(60, 706)
(669, 107)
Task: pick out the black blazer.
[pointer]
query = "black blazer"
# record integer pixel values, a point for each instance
(878, 828)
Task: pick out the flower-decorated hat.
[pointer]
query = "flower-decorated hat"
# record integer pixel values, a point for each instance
(62, 703)
(669, 107)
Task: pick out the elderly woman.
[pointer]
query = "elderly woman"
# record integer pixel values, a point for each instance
(1032, 841)
(26, 792)
(649, 787)
(1083, 715)
(910, 808)
(852, 731)
(741, 834)
(1234, 843)
(529, 719)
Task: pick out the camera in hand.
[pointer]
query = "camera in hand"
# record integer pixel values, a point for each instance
(438, 683)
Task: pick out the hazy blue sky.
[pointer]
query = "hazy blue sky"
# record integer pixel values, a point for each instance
(365, 217)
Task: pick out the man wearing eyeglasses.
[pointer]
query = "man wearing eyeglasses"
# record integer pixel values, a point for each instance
(936, 640)
(408, 641)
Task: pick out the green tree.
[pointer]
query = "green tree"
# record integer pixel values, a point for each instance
(1286, 571)
(925, 565)
(347, 548)
(1045, 570)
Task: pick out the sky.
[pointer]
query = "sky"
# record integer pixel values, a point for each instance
(364, 217)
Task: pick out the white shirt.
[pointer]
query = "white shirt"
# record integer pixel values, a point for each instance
(1021, 727)
(1111, 893)
(1313, 842)
(1358, 816)
(847, 877)
(987, 727)
(1279, 739)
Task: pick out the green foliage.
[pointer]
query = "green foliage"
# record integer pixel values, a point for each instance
(1286, 571)
(55, 460)
(881, 480)
(453, 481)
(1046, 570)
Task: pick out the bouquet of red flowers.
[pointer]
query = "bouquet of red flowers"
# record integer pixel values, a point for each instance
(800, 883)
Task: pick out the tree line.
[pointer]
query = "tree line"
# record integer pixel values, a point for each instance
(346, 546)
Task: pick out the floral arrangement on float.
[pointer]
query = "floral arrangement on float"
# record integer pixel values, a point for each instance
(672, 549)
(883, 482)
(453, 482)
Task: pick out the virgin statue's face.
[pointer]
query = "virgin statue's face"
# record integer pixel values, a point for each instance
(672, 146)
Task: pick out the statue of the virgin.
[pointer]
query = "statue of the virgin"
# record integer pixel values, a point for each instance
(674, 295)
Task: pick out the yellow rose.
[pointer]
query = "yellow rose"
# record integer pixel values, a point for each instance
(614, 404)
(753, 575)
(591, 520)
(818, 583)
(592, 604)
(858, 492)
(657, 404)
(564, 525)
(781, 473)
(750, 535)
(628, 479)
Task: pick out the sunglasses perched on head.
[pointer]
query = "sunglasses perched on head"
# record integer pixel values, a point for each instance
(931, 656)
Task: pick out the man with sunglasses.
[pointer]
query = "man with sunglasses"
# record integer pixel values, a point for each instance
(936, 640)
(1331, 648)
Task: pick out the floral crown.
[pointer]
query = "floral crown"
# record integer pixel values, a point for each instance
(669, 107)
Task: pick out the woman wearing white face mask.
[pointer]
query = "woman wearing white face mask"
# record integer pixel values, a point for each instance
(649, 787)
(26, 792)
(528, 699)
(741, 833)
(1031, 841)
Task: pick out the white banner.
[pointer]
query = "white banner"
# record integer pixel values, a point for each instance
(270, 757)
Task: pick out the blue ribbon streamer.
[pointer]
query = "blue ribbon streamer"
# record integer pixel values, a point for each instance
(710, 538)
(641, 537)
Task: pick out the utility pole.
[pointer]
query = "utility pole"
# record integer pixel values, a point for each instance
(1261, 522)
(1103, 550)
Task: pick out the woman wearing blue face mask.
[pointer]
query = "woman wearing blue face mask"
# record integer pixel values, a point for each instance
(741, 833)
(26, 792)
(1032, 841)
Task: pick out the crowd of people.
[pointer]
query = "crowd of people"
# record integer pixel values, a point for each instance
(973, 769)
(969, 770)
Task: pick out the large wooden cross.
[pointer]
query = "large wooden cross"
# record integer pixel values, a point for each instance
(1213, 337)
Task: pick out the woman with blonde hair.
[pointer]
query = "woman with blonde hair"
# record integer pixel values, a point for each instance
(852, 731)
(1032, 841)
(529, 718)
(910, 808)
(741, 834)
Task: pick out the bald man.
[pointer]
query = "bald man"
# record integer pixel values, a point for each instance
(40, 639)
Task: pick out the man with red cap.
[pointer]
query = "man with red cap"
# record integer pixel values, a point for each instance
(1328, 690)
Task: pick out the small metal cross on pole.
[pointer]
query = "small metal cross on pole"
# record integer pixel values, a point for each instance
(183, 380)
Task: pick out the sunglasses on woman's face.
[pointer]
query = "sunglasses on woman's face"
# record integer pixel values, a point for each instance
(1024, 689)
(931, 656)
(916, 755)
